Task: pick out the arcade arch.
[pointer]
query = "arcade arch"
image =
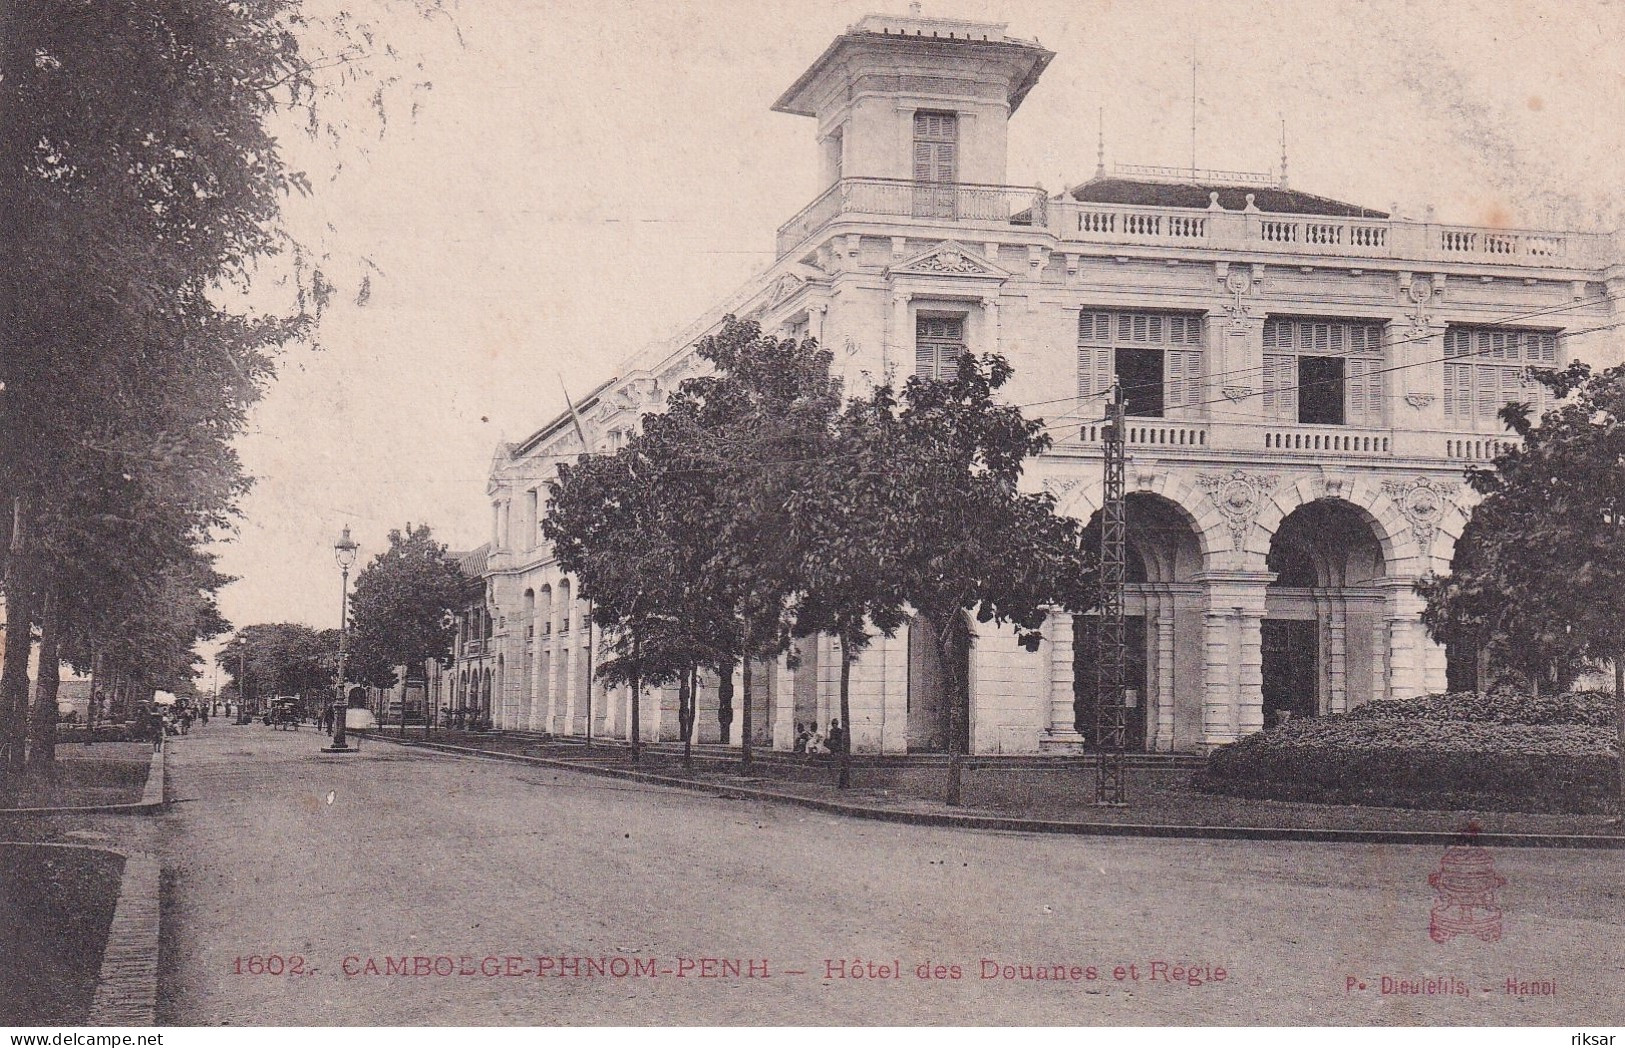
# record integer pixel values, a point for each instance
(1322, 637)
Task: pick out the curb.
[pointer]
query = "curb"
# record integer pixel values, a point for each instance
(151, 802)
(1082, 829)
(127, 981)
(127, 988)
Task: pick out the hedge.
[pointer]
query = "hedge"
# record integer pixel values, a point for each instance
(1593, 708)
(1423, 763)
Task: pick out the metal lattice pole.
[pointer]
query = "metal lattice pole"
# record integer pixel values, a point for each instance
(1111, 654)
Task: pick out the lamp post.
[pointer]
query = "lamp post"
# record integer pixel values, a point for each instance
(344, 551)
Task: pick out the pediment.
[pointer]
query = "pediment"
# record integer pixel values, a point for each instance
(949, 259)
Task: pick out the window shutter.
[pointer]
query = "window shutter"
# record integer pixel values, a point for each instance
(1365, 390)
(1184, 383)
(1280, 378)
(1458, 391)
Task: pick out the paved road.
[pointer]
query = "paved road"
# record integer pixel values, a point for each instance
(274, 848)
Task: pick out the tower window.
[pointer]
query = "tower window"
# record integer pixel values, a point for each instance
(938, 343)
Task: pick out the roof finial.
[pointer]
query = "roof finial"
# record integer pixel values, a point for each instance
(1193, 108)
(1100, 146)
(1283, 152)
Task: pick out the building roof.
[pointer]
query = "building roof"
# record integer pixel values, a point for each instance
(559, 421)
(472, 562)
(1110, 189)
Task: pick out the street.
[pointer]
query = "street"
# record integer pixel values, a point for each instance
(417, 888)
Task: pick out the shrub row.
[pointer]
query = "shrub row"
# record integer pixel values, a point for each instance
(1422, 764)
(1592, 708)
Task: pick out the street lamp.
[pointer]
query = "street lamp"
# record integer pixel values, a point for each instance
(344, 551)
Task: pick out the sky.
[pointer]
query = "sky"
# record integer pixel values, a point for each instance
(553, 185)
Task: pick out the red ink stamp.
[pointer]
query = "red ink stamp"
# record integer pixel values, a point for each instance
(1465, 883)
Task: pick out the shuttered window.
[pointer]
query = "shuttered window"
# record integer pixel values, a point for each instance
(936, 147)
(1488, 367)
(938, 345)
(1177, 337)
(936, 165)
(1358, 342)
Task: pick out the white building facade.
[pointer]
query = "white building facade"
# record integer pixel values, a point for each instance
(1307, 380)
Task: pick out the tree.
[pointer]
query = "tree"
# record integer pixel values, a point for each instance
(843, 521)
(636, 528)
(964, 538)
(760, 423)
(403, 607)
(1544, 563)
(280, 658)
(141, 186)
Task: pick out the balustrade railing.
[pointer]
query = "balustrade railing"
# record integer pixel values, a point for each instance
(1338, 442)
(902, 198)
(1086, 222)
(1151, 432)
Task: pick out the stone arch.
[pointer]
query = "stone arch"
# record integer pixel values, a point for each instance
(1083, 502)
(544, 610)
(1164, 603)
(561, 595)
(1387, 525)
(1331, 565)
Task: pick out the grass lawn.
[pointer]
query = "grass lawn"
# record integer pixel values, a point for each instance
(56, 906)
(103, 773)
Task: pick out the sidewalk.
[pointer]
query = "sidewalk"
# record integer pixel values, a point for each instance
(1028, 794)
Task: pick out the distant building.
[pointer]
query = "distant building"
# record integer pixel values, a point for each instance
(466, 688)
(1306, 379)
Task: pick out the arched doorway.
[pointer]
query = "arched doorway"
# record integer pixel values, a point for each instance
(1321, 641)
(931, 695)
(1162, 630)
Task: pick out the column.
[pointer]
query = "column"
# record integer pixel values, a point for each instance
(900, 347)
(815, 323)
(1415, 662)
(1062, 728)
(1163, 740)
(784, 703)
(1337, 687)
(990, 318)
(1233, 681)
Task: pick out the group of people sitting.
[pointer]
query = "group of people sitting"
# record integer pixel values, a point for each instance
(810, 740)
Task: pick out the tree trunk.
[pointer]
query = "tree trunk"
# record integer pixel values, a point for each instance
(1619, 728)
(685, 716)
(745, 718)
(637, 700)
(42, 725)
(14, 672)
(725, 701)
(845, 757)
(956, 726)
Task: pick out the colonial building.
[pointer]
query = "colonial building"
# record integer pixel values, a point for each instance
(1306, 381)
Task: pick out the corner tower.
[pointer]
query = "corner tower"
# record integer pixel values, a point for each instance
(917, 99)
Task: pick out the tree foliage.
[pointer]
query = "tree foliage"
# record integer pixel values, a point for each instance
(403, 608)
(756, 508)
(142, 187)
(279, 658)
(1539, 573)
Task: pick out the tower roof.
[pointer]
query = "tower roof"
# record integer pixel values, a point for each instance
(916, 33)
